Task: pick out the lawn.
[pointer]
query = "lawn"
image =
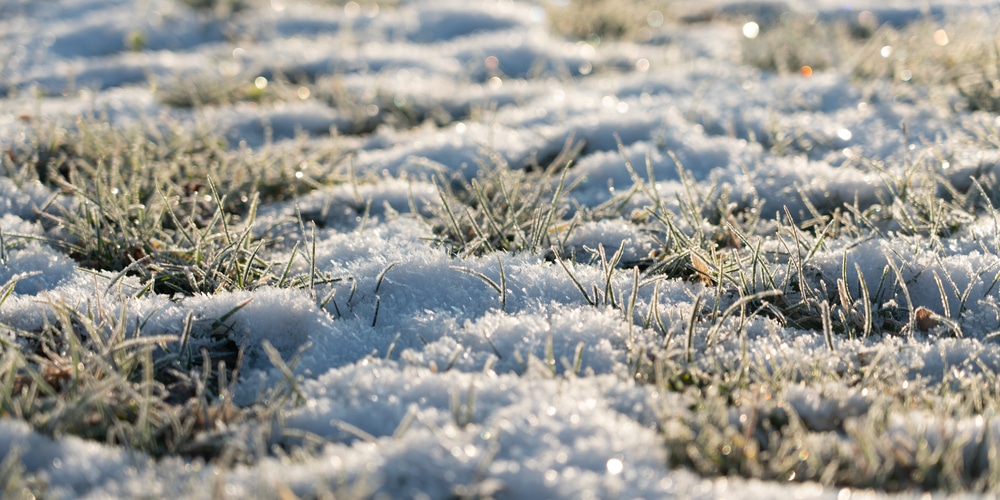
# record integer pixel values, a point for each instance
(510, 249)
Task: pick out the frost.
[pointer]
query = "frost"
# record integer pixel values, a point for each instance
(421, 373)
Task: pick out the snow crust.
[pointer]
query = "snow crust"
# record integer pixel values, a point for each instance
(447, 391)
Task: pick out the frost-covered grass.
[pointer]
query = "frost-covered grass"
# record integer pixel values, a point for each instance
(125, 204)
(161, 207)
(960, 56)
(556, 249)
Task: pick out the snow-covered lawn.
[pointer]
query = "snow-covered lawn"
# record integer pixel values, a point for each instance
(513, 249)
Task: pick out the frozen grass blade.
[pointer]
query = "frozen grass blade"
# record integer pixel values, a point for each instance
(286, 369)
(381, 275)
(579, 286)
(739, 305)
(824, 308)
(911, 322)
(866, 301)
(692, 321)
(630, 312)
(499, 288)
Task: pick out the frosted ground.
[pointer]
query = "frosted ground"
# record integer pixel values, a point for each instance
(500, 254)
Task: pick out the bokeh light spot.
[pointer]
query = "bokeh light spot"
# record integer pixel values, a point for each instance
(615, 466)
(654, 19)
(941, 37)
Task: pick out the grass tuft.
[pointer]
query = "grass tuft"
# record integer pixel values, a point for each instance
(151, 206)
(504, 209)
(597, 20)
(961, 54)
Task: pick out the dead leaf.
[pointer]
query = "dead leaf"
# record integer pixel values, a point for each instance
(703, 270)
(925, 319)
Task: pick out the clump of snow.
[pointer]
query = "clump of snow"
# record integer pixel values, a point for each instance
(35, 268)
(21, 201)
(287, 319)
(826, 408)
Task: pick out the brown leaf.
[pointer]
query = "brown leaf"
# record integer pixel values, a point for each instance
(216, 415)
(925, 319)
(702, 269)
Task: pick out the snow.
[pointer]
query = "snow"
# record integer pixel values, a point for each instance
(428, 382)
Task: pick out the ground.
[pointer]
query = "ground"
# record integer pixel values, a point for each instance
(506, 249)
